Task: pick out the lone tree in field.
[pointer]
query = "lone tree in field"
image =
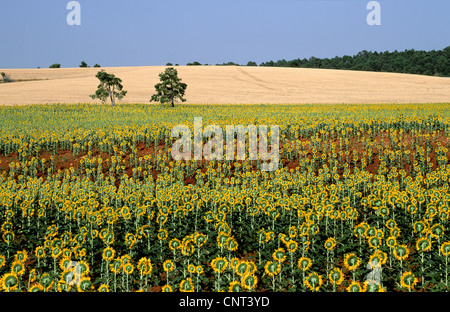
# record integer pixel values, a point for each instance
(111, 86)
(169, 88)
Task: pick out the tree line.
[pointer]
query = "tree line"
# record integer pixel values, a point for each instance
(432, 63)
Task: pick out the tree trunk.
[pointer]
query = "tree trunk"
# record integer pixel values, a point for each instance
(111, 95)
(172, 103)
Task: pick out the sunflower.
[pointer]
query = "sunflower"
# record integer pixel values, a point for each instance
(351, 261)
(168, 265)
(199, 269)
(66, 253)
(304, 263)
(419, 226)
(128, 268)
(336, 276)
(21, 256)
(46, 280)
(8, 236)
(437, 231)
(395, 231)
(401, 252)
(130, 239)
(70, 278)
(313, 281)
(272, 268)
(166, 288)
(242, 267)
(108, 254)
(64, 263)
(221, 239)
(360, 229)
(445, 249)
(390, 224)
(116, 266)
(219, 264)
(191, 268)
(279, 255)
(249, 281)
(391, 241)
(85, 284)
(354, 286)
(103, 288)
(186, 285)
(10, 281)
(231, 244)
(36, 287)
(408, 280)
(125, 213)
(162, 234)
(330, 243)
(235, 286)
(144, 266)
(372, 286)
(291, 246)
(374, 242)
(423, 244)
(199, 239)
(83, 267)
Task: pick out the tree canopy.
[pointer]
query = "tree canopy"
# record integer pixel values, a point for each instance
(433, 63)
(169, 88)
(111, 86)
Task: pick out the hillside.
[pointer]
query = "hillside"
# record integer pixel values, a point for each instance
(229, 84)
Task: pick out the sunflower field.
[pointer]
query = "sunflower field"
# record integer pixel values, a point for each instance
(91, 200)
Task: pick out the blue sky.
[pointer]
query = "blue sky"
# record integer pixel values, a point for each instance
(154, 32)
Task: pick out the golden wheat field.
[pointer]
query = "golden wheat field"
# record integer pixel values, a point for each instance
(229, 84)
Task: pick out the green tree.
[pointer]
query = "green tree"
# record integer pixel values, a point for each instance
(170, 88)
(55, 66)
(83, 64)
(111, 86)
(96, 65)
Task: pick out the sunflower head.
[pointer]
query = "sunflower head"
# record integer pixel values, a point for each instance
(423, 244)
(272, 268)
(372, 286)
(108, 254)
(85, 284)
(36, 287)
(219, 264)
(168, 265)
(103, 288)
(21, 256)
(336, 276)
(445, 249)
(279, 255)
(408, 280)
(10, 281)
(313, 281)
(354, 286)
(330, 243)
(249, 281)
(186, 285)
(401, 252)
(18, 268)
(235, 286)
(304, 263)
(128, 268)
(351, 261)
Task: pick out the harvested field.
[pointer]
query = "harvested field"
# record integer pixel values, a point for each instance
(229, 84)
